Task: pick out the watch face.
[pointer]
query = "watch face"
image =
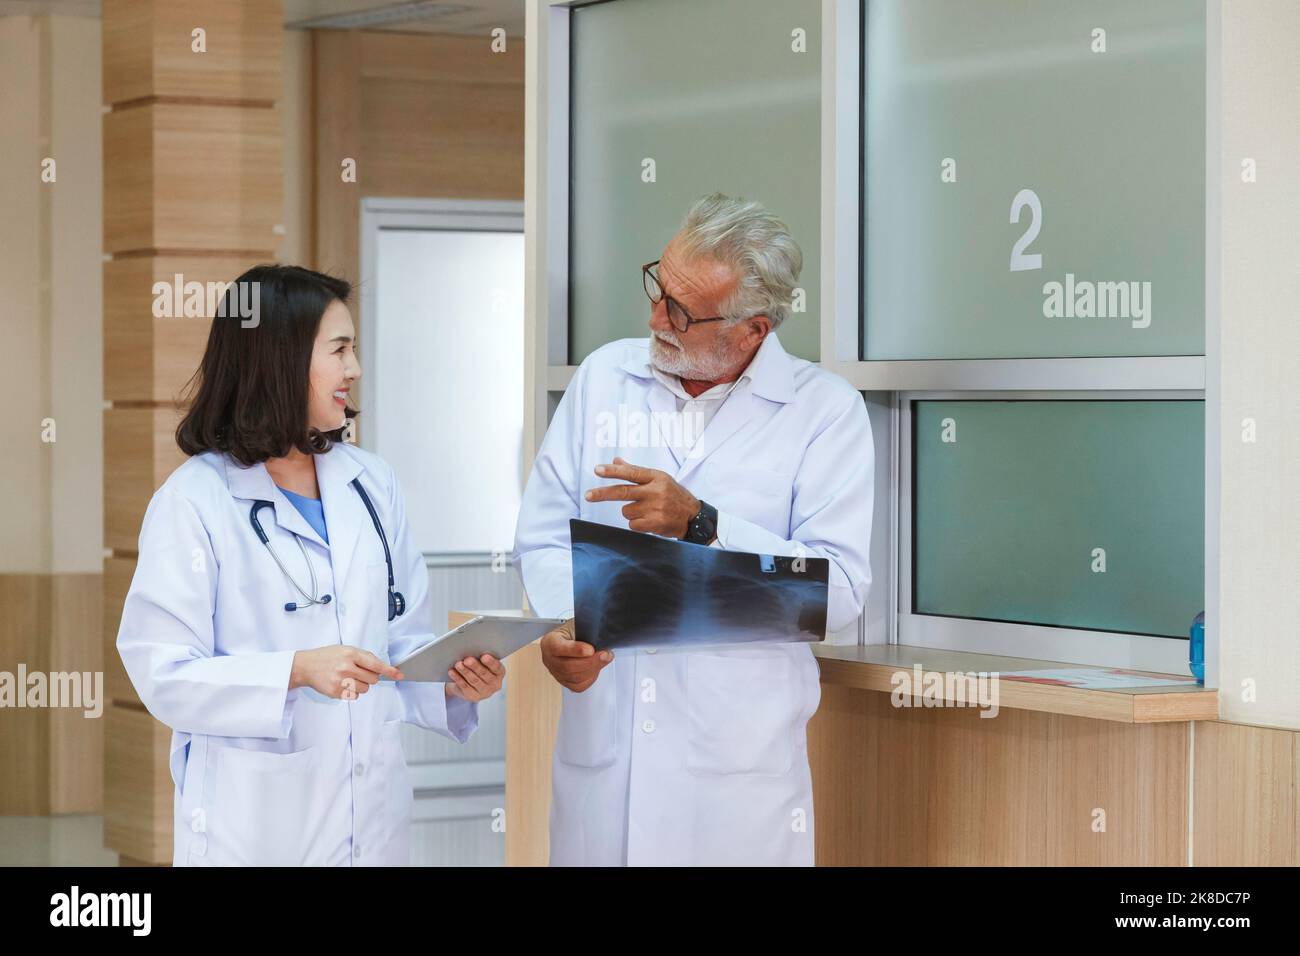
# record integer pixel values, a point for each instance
(704, 526)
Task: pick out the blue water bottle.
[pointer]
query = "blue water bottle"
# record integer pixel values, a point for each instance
(1196, 649)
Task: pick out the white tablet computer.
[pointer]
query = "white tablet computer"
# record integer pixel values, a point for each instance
(485, 634)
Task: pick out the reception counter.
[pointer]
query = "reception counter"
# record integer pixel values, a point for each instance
(1143, 776)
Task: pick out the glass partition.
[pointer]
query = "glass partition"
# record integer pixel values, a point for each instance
(449, 379)
(1034, 179)
(1079, 514)
(672, 99)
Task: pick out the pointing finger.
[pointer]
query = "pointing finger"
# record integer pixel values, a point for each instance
(616, 493)
(371, 662)
(621, 469)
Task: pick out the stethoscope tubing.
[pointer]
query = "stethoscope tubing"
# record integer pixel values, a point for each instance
(396, 602)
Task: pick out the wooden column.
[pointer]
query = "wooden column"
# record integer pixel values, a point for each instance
(192, 189)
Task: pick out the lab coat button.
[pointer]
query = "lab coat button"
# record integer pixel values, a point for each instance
(648, 726)
(356, 851)
(652, 650)
(343, 608)
(359, 769)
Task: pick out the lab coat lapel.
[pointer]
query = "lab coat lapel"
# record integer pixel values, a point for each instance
(663, 409)
(770, 376)
(255, 483)
(731, 417)
(662, 406)
(345, 513)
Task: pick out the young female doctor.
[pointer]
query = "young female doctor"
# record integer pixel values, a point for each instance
(276, 583)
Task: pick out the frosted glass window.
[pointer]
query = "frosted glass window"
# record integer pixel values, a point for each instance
(716, 94)
(1010, 145)
(1081, 514)
(449, 382)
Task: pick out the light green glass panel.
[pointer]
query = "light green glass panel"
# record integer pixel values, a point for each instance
(715, 94)
(1111, 143)
(1009, 514)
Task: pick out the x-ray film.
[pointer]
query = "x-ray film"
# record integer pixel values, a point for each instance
(632, 589)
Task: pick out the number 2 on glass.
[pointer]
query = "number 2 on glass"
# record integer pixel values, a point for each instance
(1020, 262)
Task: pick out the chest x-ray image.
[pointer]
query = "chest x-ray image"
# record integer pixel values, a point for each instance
(632, 589)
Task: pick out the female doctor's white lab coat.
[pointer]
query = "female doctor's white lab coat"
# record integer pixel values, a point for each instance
(266, 775)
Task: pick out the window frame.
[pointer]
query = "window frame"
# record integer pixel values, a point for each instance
(380, 214)
(1071, 645)
(883, 383)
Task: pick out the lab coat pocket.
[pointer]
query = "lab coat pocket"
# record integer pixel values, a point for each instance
(262, 807)
(755, 494)
(742, 709)
(587, 733)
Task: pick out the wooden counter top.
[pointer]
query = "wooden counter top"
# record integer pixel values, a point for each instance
(872, 667)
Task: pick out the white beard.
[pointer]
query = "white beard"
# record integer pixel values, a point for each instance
(709, 367)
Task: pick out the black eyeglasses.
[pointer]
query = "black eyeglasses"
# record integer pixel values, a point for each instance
(677, 314)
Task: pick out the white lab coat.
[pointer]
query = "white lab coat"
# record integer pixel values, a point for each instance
(700, 757)
(265, 775)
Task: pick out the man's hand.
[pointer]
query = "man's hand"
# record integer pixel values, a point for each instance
(573, 663)
(656, 503)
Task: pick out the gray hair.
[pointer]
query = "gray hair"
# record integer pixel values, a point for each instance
(756, 243)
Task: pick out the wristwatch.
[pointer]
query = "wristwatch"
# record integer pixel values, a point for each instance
(703, 528)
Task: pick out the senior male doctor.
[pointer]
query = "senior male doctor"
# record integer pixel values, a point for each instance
(697, 757)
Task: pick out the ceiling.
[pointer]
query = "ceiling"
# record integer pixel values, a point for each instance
(449, 16)
(443, 16)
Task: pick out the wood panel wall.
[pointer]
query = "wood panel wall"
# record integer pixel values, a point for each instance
(422, 116)
(532, 713)
(946, 787)
(1246, 801)
(48, 620)
(192, 187)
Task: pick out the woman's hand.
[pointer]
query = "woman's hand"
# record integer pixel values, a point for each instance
(475, 680)
(339, 671)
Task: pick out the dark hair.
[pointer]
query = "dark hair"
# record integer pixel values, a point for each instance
(249, 396)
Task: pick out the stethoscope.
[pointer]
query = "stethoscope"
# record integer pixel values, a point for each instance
(396, 603)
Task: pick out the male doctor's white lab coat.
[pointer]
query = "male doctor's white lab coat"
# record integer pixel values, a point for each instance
(700, 757)
(265, 775)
